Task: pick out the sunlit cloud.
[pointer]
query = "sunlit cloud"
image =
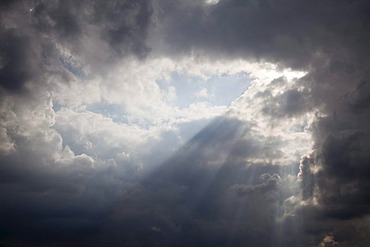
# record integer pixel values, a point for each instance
(186, 123)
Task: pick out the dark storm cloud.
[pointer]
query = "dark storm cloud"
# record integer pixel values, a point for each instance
(307, 177)
(62, 18)
(56, 205)
(126, 22)
(284, 31)
(7, 3)
(343, 182)
(122, 24)
(206, 194)
(20, 59)
(33, 32)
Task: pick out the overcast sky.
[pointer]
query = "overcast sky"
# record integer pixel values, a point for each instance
(184, 123)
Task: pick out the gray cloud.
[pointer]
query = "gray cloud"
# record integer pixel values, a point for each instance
(96, 33)
(19, 58)
(209, 192)
(200, 198)
(52, 196)
(289, 32)
(329, 40)
(200, 191)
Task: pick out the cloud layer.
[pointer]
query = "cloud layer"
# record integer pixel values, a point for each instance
(96, 150)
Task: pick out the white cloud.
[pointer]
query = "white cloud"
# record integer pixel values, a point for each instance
(202, 94)
(211, 2)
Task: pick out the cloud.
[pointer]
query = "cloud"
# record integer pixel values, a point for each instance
(88, 131)
(19, 60)
(299, 35)
(203, 93)
(196, 193)
(336, 72)
(35, 33)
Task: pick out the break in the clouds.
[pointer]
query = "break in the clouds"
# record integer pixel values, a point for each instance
(184, 123)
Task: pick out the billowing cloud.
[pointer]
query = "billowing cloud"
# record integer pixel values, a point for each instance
(187, 123)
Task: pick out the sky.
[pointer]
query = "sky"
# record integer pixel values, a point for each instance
(184, 123)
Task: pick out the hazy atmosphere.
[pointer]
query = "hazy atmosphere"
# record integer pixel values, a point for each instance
(233, 123)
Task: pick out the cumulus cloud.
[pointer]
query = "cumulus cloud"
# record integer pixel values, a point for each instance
(93, 145)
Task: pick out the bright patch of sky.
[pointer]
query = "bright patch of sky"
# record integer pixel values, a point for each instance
(68, 65)
(217, 90)
(72, 63)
